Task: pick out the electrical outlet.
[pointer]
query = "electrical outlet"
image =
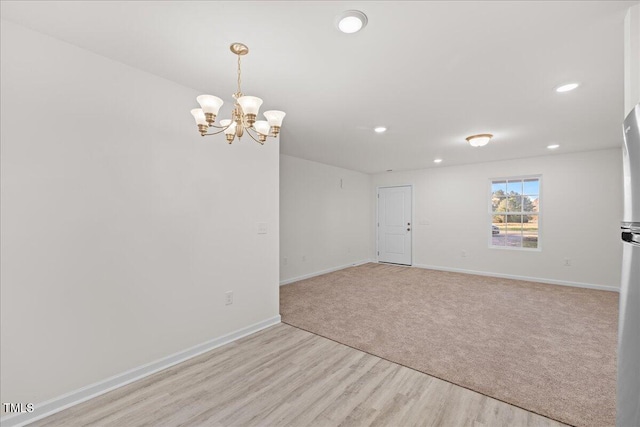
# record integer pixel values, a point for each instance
(228, 297)
(567, 262)
(463, 254)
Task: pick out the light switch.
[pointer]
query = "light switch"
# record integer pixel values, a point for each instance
(262, 228)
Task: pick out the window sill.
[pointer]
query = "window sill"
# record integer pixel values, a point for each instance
(513, 248)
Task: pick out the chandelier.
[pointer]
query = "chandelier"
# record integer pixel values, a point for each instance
(244, 114)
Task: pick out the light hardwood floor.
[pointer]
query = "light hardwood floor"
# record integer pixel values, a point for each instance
(286, 376)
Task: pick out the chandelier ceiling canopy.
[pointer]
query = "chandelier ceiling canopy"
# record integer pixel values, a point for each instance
(243, 116)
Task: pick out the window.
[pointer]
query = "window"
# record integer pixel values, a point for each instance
(515, 213)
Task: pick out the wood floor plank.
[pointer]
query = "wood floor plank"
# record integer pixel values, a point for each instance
(284, 376)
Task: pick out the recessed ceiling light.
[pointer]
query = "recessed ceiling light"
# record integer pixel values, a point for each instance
(479, 140)
(380, 129)
(553, 146)
(437, 161)
(352, 21)
(567, 87)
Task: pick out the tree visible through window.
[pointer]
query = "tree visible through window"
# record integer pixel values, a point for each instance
(515, 212)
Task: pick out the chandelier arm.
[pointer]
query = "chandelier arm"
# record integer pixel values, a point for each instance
(215, 133)
(252, 137)
(219, 127)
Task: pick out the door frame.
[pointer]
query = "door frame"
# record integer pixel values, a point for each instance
(413, 197)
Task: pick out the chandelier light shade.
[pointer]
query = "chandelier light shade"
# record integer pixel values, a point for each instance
(244, 114)
(479, 140)
(250, 104)
(229, 129)
(274, 117)
(210, 104)
(262, 126)
(198, 114)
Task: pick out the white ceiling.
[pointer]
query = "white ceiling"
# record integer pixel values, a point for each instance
(432, 72)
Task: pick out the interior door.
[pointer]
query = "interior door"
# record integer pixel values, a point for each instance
(394, 225)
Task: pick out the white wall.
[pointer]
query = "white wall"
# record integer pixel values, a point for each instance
(121, 227)
(322, 226)
(581, 211)
(631, 58)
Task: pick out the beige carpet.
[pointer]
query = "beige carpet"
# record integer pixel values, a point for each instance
(546, 348)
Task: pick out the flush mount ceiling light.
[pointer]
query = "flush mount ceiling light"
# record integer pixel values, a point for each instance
(352, 21)
(243, 116)
(479, 140)
(380, 129)
(553, 146)
(567, 87)
(437, 161)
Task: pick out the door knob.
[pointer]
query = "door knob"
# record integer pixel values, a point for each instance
(408, 229)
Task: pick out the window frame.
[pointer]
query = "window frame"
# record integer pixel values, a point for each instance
(491, 213)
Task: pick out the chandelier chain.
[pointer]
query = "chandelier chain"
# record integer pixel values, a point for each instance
(239, 74)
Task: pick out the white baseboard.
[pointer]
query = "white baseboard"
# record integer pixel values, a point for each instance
(328, 270)
(528, 279)
(83, 394)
